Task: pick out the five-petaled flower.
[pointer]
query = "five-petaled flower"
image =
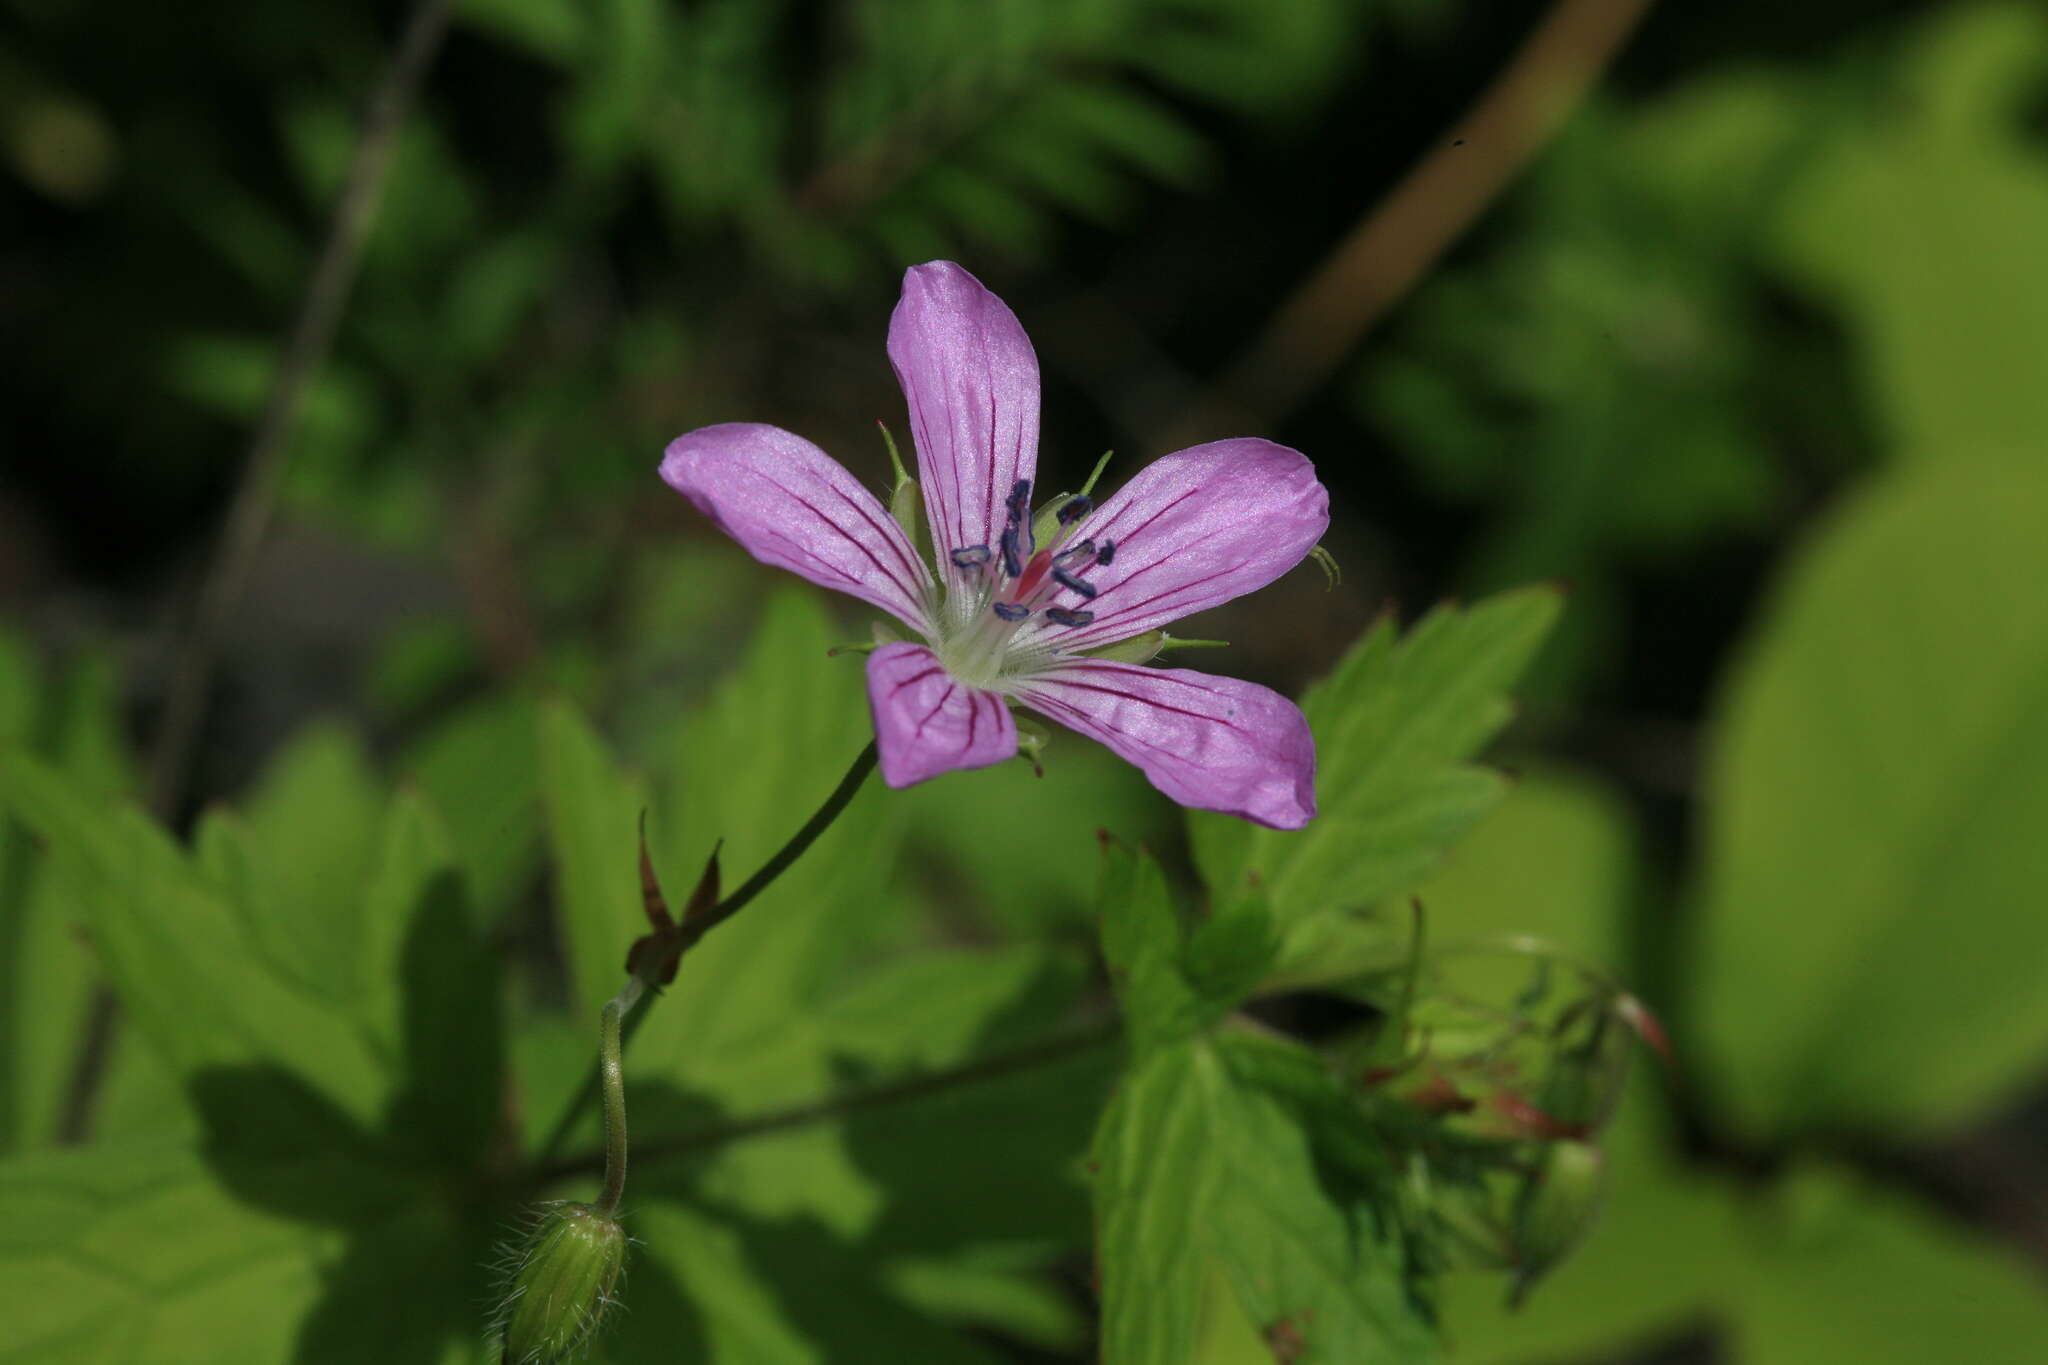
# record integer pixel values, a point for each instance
(1030, 607)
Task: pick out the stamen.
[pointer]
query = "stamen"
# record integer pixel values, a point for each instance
(1062, 617)
(1016, 540)
(973, 557)
(1074, 581)
(1106, 553)
(1075, 508)
(1086, 547)
(1011, 611)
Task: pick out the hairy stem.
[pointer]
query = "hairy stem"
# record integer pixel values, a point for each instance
(694, 927)
(612, 1072)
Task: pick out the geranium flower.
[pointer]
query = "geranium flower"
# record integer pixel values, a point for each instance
(1054, 609)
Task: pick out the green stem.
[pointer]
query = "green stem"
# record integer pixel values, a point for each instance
(691, 932)
(1046, 1053)
(613, 1073)
(696, 926)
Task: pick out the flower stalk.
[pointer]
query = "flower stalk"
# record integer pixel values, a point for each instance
(650, 969)
(612, 1077)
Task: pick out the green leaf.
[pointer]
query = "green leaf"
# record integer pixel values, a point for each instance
(553, 29)
(929, 1010)
(1155, 1180)
(1022, 1302)
(180, 958)
(749, 769)
(47, 976)
(593, 821)
(1199, 1167)
(1395, 725)
(1850, 1275)
(1579, 832)
(793, 1245)
(1172, 985)
(1870, 941)
(1141, 943)
(481, 767)
(135, 1254)
(305, 840)
(1923, 224)
(452, 1039)
(1085, 789)
(774, 1293)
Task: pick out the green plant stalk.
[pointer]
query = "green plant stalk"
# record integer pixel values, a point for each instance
(669, 1146)
(692, 931)
(611, 1069)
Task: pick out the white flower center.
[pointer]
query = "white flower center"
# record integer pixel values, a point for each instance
(991, 591)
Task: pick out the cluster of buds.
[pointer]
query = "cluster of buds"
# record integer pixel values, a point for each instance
(1496, 1076)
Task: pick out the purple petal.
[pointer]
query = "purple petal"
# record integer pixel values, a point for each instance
(1194, 529)
(1208, 742)
(792, 505)
(926, 723)
(971, 380)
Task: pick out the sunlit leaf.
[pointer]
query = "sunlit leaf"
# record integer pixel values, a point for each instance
(593, 823)
(179, 955)
(134, 1253)
(1200, 1168)
(1396, 724)
(1922, 223)
(1869, 943)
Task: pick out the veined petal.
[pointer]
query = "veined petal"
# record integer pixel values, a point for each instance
(926, 723)
(792, 505)
(1212, 743)
(1192, 530)
(971, 380)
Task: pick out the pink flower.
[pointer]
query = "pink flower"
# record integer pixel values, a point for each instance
(1005, 618)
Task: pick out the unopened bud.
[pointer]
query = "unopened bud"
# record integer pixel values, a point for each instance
(562, 1284)
(1556, 1210)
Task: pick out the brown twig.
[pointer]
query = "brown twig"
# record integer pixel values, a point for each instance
(1405, 233)
(248, 518)
(306, 347)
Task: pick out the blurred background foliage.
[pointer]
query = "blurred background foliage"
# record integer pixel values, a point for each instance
(1754, 358)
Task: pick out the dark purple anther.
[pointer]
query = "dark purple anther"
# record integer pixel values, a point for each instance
(1019, 501)
(1014, 554)
(1074, 581)
(1011, 611)
(1061, 616)
(973, 557)
(1075, 508)
(1106, 553)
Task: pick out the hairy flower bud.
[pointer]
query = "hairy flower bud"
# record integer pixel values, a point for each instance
(561, 1284)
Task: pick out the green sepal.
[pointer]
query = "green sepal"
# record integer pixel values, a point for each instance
(1143, 649)
(1556, 1209)
(562, 1285)
(1047, 524)
(1031, 741)
(906, 499)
